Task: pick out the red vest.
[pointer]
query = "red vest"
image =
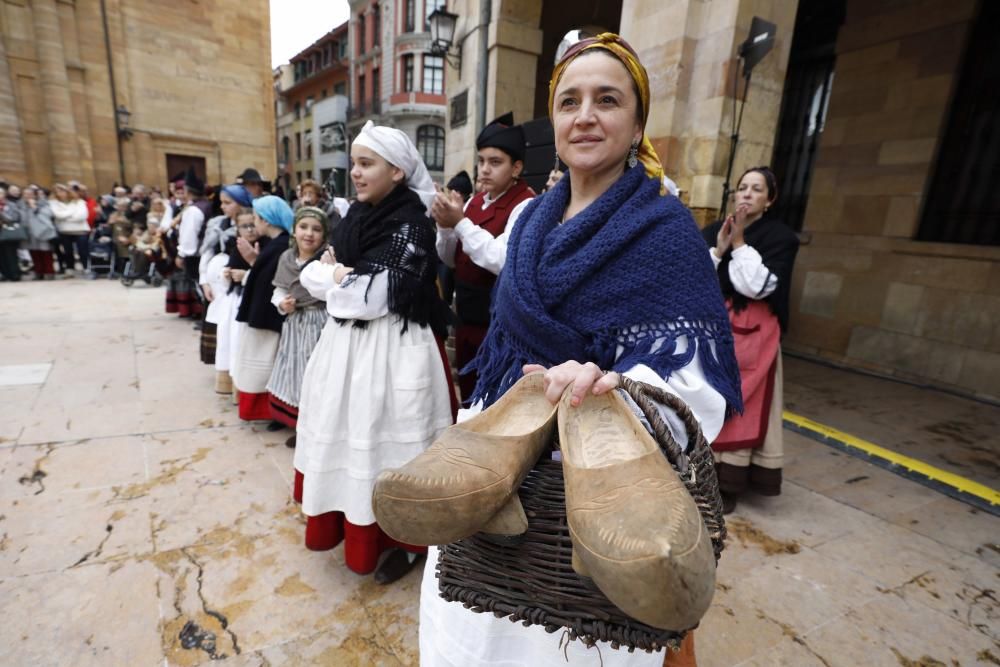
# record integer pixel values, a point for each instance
(473, 283)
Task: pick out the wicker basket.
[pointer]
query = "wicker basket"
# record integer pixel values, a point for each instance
(533, 582)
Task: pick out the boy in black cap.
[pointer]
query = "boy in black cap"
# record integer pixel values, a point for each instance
(467, 236)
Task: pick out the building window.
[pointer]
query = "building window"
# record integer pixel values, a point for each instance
(340, 88)
(309, 104)
(434, 75)
(309, 144)
(343, 49)
(298, 146)
(376, 25)
(286, 150)
(460, 109)
(298, 110)
(431, 6)
(361, 34)
(408, 73)
(430, 144)
(376, 93)
(361, 91)
(409, 12)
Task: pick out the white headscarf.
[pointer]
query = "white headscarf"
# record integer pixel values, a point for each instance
(397, 149)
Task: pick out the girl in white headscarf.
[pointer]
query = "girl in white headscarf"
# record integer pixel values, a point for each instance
(377, 389)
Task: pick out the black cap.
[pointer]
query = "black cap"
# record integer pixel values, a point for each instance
(193, 183)
(249, 175)
(461, 182)
(503, 134)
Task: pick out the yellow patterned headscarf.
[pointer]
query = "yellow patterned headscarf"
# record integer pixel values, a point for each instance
(619, 48)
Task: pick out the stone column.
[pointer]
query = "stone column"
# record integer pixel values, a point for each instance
(689, 48)
(12, 165)
(63, 144)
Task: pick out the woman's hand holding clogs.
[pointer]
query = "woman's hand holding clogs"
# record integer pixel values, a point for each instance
(582, 378)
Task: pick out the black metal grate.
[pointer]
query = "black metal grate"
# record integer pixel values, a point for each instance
(963, 200)
(804, 104)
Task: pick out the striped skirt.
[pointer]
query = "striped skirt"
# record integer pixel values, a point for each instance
(299, 335)
(182, 295)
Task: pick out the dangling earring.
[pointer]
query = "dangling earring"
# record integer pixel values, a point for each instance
(633, 155)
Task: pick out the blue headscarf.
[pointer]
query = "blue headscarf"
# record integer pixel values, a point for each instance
(238, 194)
(275, 211)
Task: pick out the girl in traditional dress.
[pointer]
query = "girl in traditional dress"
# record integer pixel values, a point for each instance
(259, 340)
(305, 316)
(376, 390)
(754, 253)
(218, 231)
(605, 274)
(227, 271)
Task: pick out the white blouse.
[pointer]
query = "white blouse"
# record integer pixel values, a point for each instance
(748, 273)
(484, 249)
(350, 299)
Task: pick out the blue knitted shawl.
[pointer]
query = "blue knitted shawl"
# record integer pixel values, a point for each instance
(617, 285)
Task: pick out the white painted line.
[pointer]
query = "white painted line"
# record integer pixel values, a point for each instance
(22, 374)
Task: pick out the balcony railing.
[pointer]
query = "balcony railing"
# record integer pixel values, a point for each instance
(369, 108)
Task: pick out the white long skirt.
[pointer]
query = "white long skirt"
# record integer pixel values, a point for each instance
(254, 359)
(371, 399)
(226, 306)
(453, 636)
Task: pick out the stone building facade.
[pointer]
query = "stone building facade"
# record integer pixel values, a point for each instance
(871, 289)
(394, 80)
(318, 72)
(194, 77)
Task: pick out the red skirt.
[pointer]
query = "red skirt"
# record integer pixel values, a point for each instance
(756, 336)
(282, 412)
(254, 407)
(362, 544)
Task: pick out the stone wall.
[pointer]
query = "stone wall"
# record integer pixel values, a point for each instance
(864, 292)
(196, 77)
(689, 49)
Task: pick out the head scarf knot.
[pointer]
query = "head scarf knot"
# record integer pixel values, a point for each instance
(274, 211)
(396, 148)
(619, 48)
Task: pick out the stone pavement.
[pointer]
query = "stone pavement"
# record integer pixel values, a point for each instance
(142, 524)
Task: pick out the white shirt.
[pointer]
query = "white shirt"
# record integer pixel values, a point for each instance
(350, 299)
(168, 216)
(483, 248)
(748, 273)
(192, 220)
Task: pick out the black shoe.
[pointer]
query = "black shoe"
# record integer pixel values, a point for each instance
(395, 566)
(728, 503)
(274, 426)
(290, 443)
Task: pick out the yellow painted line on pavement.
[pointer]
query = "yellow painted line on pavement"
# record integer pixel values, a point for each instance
(958, 482)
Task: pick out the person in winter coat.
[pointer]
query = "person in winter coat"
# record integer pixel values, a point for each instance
(42, 232)
(70, 214)
(12, 217)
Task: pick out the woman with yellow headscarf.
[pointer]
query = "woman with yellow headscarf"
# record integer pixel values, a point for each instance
(605, 274)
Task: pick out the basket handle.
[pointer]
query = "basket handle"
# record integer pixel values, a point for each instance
(646, 396)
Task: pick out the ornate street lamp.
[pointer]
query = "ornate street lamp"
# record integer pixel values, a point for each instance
(442, 25)
(123, 116)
